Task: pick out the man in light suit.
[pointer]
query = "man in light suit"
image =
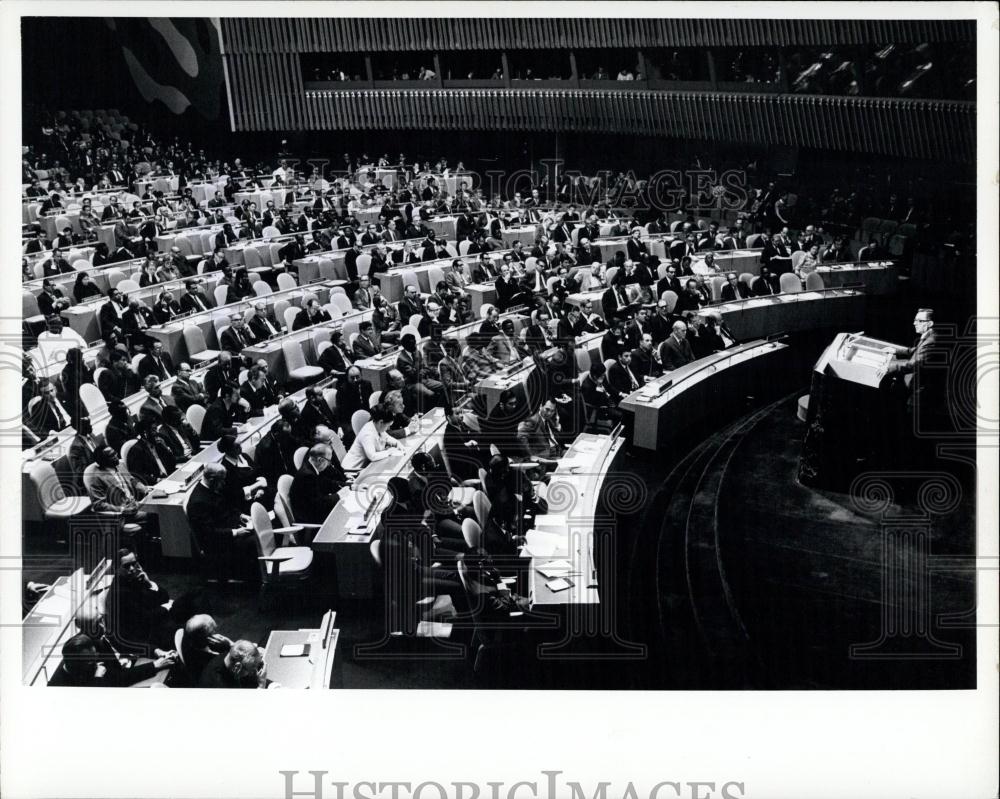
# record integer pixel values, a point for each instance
(362, 299)
(538, 436)
(504, 346)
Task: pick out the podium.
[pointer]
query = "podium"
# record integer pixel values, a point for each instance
(853, 422)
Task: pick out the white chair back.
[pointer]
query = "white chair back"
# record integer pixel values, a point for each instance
(286, 281)
(195, 416)
(299, 457)
(289, 316)
(220, 293)
(359, 419)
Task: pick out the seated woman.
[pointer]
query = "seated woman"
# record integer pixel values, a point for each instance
(85, 288)
(148, 274)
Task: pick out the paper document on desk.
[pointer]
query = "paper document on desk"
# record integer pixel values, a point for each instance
(169, 487)
(577, 461)
(554, 522)
(539, 544)
(350, 500)
(557, 568)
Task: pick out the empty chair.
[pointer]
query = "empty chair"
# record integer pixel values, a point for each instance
(359, 419)
(295, 362)
(482, 507)
(195, 341)
(286, 282)
(746, 278)
(341, 303)
(128, 285)
(114, 276)
(252, 259)
(814, 282)
(717, 283)
(463, 248)
(220, 293)
(55, 505)
(472, 532)
(81, 263)
(270, 232)
(280, 306)
(261, 289)
(582, 360)
(195, 415)
(278, 565)
(435, 274)
(93, 400)
(789, 283)
(289, 316)
(364, 263)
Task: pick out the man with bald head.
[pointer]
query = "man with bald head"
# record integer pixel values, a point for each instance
(222, 534)
(315, 485)
(676, 350)
(200, 642)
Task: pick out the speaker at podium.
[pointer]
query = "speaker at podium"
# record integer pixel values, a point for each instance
(853, 421)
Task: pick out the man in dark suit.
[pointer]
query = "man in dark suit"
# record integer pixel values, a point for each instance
(315, 412)
(764, 284)
(734, 288)
(51, 300)
(635, 329)
(315, 485)
(352, 395)
(118, 380)
(149, 461)
(367, 344)
(294, 250)
(236, 337)
(156, 362)
(676, 350)
(484, 270)
(254, 393)
(194, 299)
(621, 380)
(537, 337)
(260, 326)
(221, 532)
(186, 391)
(223, 413)
(335, 359)
(351, 260)
(613, 341)
(311, 314)
(644, 364)
(225, 370)
(48, 414)
(110, 315)
(56, 265)
(615, 301)
(136, 321)
(274, 455)
(410, 305)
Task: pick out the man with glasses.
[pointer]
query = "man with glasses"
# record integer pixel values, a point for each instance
(313, 494)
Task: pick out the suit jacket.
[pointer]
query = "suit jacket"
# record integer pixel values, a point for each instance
(189, 303)
(212, 519)
(613, 301)
(351, 398)
(619, 382)
(162, 369)
(141, 462)
(313, 495)
(274, 456)
(164, 312)
(259, 329)
(45, 418)
(644, 364)
(729, 293)
(408, 308)
(911, 359)
(47, 301)
(187, 393)
(318, 414)
(217, 418)
(235, 342)
(334, 359)
(302, 319)
(108, 318)
(257, 398)
(484, 272)
(110, 494)
(81, 455)
(673, 355)
(114, 385)
(533, 438)
(365, 347)
(216, 376)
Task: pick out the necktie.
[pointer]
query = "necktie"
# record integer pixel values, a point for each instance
(61, 417)
(198, 302)
(635, 383)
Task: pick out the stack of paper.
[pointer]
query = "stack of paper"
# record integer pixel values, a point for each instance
(539, 544)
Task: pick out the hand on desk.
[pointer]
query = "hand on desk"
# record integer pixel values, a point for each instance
(166, 661)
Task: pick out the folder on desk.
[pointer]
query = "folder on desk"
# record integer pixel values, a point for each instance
(557, 568)
(539, 544)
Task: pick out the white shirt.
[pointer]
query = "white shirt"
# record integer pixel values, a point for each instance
(369, 446)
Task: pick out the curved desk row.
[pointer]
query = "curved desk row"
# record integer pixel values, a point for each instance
(703, 389)
(759, 317)
(348, 530)
(561, 545)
